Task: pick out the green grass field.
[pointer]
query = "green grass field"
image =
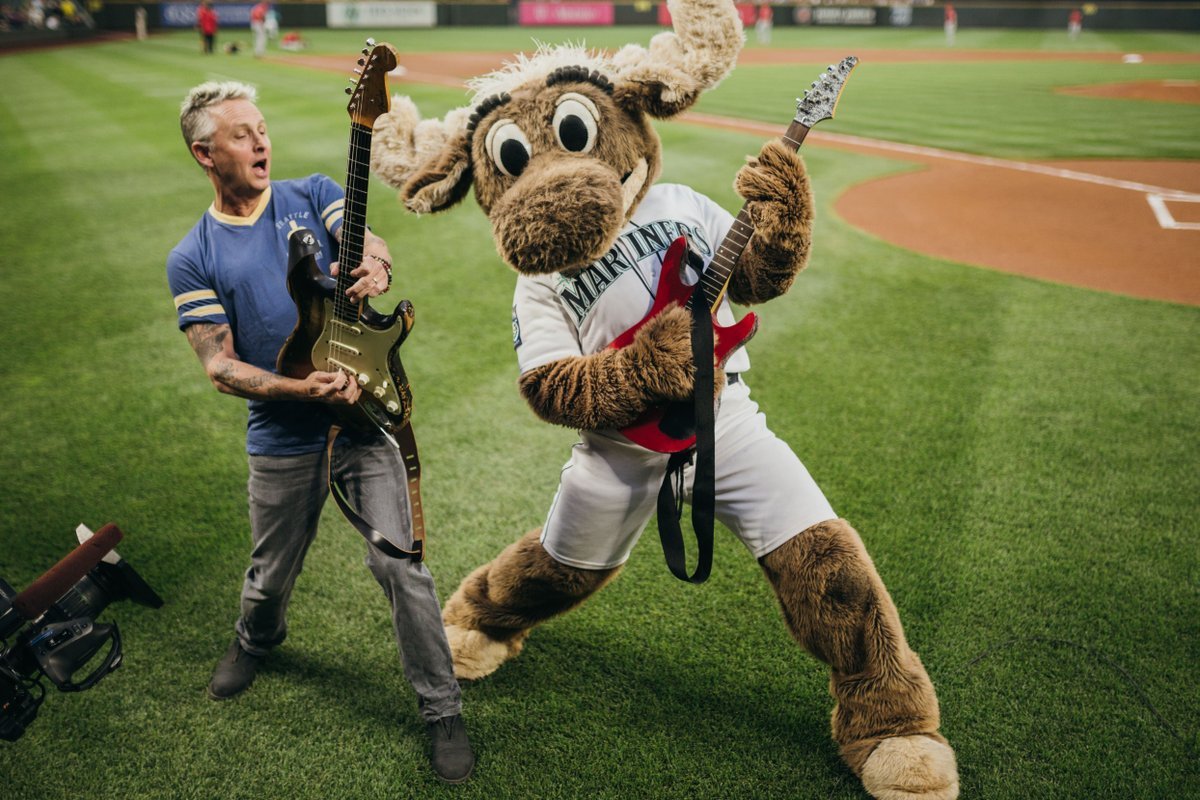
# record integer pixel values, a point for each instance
(1020, 457)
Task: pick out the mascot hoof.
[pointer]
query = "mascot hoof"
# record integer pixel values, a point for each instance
(477, 655)
(911, 768)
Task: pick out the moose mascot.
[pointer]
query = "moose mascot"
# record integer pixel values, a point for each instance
(563, 158)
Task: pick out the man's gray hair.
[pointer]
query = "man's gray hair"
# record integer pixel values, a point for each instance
(195, 119)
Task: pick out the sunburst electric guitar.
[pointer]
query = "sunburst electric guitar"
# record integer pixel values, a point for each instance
(332, 333)
(670, 428)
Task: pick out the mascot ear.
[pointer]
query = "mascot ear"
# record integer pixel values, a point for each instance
(441, 184)
(427, 160)
(669, 77)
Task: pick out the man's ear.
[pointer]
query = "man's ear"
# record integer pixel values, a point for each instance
(203, 154)
(441, 182)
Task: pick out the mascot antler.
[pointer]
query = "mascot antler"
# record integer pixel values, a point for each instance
(429, 160)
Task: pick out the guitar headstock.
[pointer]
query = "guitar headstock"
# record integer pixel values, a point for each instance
(369, 96)
(820, 102)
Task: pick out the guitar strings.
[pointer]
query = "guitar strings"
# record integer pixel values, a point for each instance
(351, 246)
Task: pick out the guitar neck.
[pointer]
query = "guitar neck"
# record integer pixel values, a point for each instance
(354, 215)
(715, 280)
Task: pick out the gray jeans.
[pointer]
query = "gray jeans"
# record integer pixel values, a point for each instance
(286, 497)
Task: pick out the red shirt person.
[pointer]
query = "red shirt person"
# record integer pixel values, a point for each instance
(207, 23)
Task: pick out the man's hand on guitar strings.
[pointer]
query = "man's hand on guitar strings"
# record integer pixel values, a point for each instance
(374, 273)
(336, 388)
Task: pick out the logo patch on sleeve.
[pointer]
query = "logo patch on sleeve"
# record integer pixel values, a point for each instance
(516, 329)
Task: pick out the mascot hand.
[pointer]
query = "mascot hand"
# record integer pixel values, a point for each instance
(660, 357)
(775, 188)
(779, 201)
(612, 388)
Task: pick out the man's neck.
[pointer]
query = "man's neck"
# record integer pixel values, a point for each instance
(236, 205)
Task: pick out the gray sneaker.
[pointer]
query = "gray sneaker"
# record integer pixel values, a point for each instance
(452, 757)
(234, 673)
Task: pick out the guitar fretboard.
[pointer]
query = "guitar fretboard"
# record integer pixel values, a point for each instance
(354, 218)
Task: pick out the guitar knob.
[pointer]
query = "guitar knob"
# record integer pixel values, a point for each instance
(379, 392)
(363, 379)
(392, 406)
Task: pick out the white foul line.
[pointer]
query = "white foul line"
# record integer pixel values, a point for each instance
(1155, 195)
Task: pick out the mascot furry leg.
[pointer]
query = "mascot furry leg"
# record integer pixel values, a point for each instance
(886, 718)
(489, 616)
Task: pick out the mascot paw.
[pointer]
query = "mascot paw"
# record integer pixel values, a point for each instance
(661, 355)
(911, 768)
(477, 655)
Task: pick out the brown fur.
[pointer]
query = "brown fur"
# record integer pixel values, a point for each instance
(573, 222)
(611, 388)
(520, 588)
(779, 200)
(836, 606)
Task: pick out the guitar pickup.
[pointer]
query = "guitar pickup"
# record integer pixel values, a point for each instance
(354, 351)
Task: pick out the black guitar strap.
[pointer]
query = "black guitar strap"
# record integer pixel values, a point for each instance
(670, 494)
(406, 444)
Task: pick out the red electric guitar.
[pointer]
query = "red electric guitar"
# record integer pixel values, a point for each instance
(670, 428)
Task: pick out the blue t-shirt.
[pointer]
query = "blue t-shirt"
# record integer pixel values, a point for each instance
(234, 270)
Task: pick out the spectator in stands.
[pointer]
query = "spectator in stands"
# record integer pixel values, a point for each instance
(207, 23)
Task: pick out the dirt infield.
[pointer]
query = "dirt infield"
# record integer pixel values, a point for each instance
(1130, 227)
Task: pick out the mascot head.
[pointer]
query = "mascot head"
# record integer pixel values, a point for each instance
(559, 144)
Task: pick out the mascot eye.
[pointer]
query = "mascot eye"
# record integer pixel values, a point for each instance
(507, 147)
(575, 121)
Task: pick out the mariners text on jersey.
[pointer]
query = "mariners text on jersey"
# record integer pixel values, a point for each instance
(580, 292)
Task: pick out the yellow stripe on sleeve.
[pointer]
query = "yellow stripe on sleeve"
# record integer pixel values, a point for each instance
(205, 311)
(336, 205)
(191, 297)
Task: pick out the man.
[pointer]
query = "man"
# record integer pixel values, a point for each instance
(950, 23)
(207, 23)
(258, 24)
(228, 278)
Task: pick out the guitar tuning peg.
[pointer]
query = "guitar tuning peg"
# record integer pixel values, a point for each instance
(362, 61)
(370, 42)
(349, 90)
(358, 72)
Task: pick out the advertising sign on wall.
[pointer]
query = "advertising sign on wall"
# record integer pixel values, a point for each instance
(183, 15)
(746, 11)
(845, 15)
(565, 14)
(381, 15)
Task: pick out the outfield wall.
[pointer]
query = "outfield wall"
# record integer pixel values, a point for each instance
(389, 14)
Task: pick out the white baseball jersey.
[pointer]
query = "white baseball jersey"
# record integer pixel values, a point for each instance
(607, 491)
(555, 316)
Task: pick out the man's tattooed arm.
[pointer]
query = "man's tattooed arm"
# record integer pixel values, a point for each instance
(213, 345)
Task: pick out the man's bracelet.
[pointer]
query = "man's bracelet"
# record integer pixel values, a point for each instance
(387, 267)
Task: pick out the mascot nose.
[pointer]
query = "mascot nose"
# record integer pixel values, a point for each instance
(564, 211)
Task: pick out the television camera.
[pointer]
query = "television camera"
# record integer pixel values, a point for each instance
(55, 628)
